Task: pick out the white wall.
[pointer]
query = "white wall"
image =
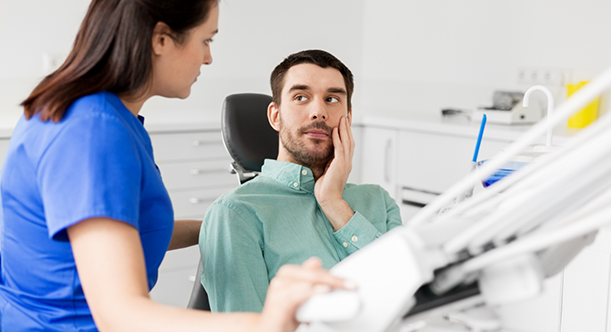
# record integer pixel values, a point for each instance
(254, 37)
(407, 56)
(420, 56)
(27, 29)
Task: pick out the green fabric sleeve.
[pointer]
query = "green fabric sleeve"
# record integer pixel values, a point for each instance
(359, 232)
(234, 272)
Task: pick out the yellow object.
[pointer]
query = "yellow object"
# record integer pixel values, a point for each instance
(587, 114)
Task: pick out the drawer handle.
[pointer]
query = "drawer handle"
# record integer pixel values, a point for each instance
(196, 171)
(387, 161)
(195, 200)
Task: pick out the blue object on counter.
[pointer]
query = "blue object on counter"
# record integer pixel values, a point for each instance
(479, 138)
(507, 169)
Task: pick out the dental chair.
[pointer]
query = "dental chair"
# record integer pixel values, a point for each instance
(495, 248)
(249, 140)
(247, 134)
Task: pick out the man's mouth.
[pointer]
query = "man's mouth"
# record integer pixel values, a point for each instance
(317, 133)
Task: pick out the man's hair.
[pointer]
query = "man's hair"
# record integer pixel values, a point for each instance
(318, 57)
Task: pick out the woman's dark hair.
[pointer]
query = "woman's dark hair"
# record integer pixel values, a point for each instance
(320, 58)
(112, 51)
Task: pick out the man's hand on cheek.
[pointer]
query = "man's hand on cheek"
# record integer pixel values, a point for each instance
(329, 187)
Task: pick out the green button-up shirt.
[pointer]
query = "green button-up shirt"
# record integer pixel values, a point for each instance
(274, 219)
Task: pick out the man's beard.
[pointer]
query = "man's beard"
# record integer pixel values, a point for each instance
(315, 160)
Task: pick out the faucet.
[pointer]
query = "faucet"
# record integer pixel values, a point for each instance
(550, 107)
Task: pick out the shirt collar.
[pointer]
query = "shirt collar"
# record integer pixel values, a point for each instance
(292, 175)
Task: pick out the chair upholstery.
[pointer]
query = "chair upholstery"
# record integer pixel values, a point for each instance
(247, 134)
(249, 139)
(199, 297)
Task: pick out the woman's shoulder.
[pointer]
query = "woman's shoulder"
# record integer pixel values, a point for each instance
(98, 104)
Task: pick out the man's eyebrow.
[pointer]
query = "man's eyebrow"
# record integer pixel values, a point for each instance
(337, 90)
(299, 87)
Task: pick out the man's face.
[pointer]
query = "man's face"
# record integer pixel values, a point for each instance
(312, 102)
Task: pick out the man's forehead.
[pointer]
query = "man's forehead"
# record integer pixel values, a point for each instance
(314, 77)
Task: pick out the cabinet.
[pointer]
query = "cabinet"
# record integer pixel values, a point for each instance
(195, 168)
(433, 162)
(378, 153)
(430, 163)
(416, 165)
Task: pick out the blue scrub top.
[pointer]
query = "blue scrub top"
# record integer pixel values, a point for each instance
(96, 162)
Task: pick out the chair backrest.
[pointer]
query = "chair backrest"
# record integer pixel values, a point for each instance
(249, 139)
(199, 297)
(247, 134)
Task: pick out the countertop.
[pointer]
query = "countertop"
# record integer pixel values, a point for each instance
(457, 125)
(185, 120)
(154, 122)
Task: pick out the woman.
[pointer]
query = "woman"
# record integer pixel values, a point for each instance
(87, 218)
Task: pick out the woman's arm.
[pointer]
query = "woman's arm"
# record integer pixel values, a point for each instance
(186, 234)
(110, 263)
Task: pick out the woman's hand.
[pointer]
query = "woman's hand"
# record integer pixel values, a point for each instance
(292, 286)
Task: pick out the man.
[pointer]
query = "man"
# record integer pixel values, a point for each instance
(300, 206)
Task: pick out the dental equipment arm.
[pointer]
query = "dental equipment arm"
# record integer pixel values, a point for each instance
(518, 231)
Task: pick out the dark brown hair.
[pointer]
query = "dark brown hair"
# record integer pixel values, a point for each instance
(320, 58)
(112, 51)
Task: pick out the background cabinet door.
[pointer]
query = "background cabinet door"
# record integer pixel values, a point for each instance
(585, 298)
(197, 174)
(378, 156)
(179, 283)
(434, 162)
(200, 145)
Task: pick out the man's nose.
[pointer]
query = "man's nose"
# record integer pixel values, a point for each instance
(318, 111)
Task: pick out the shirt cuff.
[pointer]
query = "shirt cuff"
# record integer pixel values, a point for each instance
(357, 233)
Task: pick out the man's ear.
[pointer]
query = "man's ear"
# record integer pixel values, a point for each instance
(161, 38)
(273, 116)
(349, 117)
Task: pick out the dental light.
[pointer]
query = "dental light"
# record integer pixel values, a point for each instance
(495, 247)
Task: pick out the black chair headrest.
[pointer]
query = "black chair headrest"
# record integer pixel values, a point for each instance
(247, 134)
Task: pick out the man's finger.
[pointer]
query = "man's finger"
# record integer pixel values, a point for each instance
(337, 143)
(346, 135)
(349, 130)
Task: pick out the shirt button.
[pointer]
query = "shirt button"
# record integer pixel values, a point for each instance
(345, 245)
(295, 184)
(304, 172)
(354, 238)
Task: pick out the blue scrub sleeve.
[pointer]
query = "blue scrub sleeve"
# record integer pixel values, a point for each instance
(91, 169)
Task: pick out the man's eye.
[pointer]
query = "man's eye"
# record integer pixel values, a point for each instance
(300, 98)
(332, 100)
